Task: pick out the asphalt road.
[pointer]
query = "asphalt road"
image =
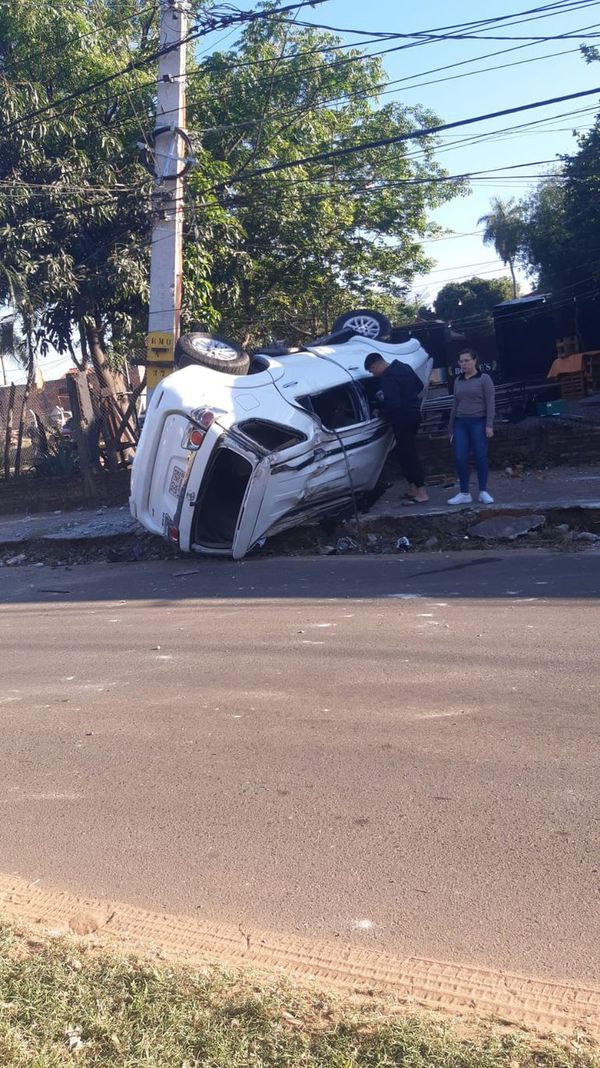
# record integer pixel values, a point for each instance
(400, 751)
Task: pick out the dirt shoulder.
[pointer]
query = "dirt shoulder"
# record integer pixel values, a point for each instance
(428, 984)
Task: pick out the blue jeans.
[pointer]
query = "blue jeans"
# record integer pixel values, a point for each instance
(470, 434)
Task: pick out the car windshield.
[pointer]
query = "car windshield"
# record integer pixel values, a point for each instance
(217, 511)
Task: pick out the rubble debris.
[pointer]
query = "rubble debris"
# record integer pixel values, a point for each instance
(586, 535)
(346, 545)
(106, 527)
(14, 561)
(402, 544)
(506, 528)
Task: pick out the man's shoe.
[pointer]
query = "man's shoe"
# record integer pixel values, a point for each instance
(485, 497)
(461, 498)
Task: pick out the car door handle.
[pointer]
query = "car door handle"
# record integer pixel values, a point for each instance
(319, 454)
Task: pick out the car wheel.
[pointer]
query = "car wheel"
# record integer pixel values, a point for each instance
(211, 351)
(364, 321)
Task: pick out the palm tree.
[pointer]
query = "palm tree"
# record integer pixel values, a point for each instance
(11, 344)
(503, 228)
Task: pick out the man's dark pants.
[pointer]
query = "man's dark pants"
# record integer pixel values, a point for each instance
(405, 432)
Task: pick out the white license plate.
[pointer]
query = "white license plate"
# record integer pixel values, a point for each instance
(177, 476)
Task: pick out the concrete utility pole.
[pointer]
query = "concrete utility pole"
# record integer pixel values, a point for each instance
(172, 158)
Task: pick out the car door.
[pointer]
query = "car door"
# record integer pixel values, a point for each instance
(362, 439)
(346, 463)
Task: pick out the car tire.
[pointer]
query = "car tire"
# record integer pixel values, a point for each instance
(364, 321)
(212, 351)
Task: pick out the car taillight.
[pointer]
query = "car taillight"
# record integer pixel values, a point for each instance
(207, 419)
(173, 534)
(203, 420)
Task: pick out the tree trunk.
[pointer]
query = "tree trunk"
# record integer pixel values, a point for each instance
(514, 280)
(85, 356)
(7, 436)
(112, 392)
(106, 379)
(79, 363)
(28, 385)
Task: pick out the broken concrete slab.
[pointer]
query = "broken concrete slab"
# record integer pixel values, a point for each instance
(105, 526)
(506, 528)
(68, 526)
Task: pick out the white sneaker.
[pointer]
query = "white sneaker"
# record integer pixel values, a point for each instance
(461, 498)
(485, 497)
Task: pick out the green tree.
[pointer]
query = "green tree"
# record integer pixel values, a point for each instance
(561, 234)
(308, 243)
(545, 250)
(503, 229)
(280, 254)
(73, 205)
(560, 243)
(468, 305)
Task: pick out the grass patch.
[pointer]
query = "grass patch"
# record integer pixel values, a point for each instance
(62, 1003)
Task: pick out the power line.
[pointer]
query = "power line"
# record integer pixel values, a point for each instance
(545, 10)
(301, 112)
(452, 237)
(324, 66)
(580, 31)
(428, 131)
(241, 17)
(383, 88)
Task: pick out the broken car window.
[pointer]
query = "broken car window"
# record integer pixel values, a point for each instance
(336, 408)
(271, 436)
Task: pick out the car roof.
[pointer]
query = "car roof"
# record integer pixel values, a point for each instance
(351, 354)
(310, 370)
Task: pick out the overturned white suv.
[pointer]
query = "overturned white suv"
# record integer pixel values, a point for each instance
(226, 459)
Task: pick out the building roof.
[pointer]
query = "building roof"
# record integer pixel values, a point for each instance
(531, 299)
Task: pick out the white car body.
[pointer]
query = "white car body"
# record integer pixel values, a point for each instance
(294, 439)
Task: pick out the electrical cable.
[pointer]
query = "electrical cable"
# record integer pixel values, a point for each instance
(268, 14)
(137, 118)
(543, 11)
(152, 82)
(383, 142)
(242, 17)
(383, 88)
(578, 33)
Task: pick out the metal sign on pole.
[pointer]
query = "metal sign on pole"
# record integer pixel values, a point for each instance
(172, 158)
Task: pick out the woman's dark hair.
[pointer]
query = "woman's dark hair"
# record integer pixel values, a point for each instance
(470, 352)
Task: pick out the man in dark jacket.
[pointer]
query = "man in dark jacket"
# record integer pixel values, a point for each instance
(401, 404)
